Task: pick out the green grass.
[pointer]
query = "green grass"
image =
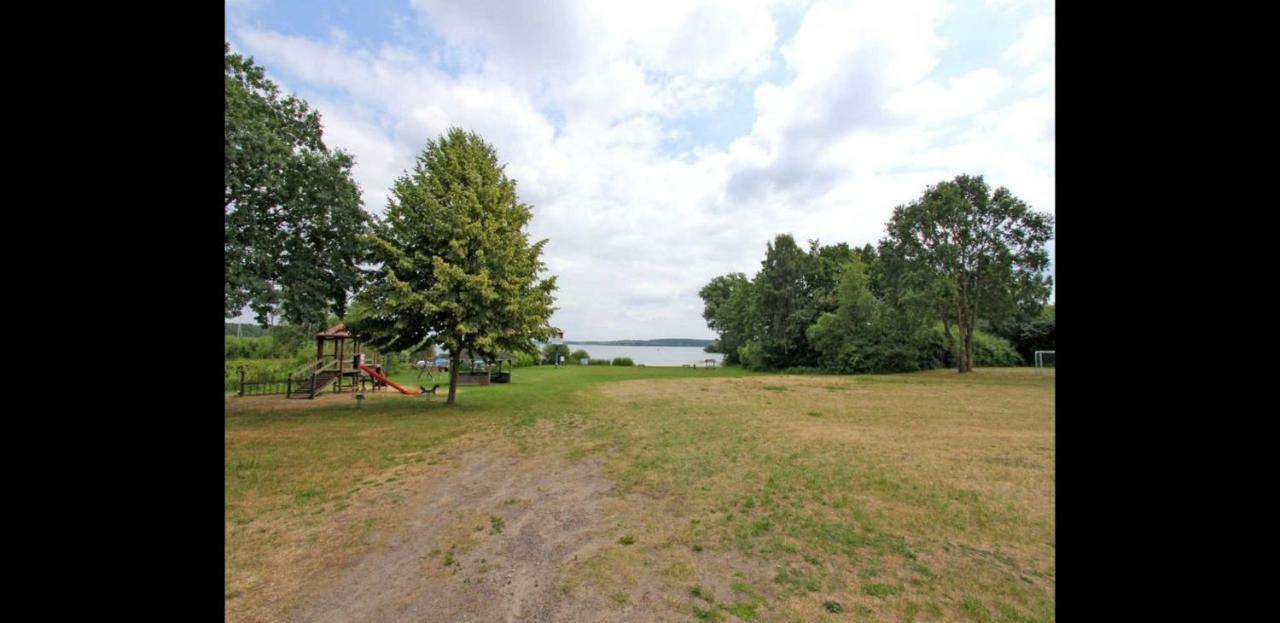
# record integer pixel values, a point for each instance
(884, 492)
(881, 590)
(745, 611)
(706, 614)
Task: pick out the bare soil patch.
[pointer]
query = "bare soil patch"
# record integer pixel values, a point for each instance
(484, 542)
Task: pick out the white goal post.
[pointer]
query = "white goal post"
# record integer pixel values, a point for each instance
(1044, 357)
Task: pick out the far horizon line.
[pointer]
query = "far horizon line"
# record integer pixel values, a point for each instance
(644, 339)
(567, 340)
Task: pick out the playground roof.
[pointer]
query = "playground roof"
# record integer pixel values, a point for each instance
(336, 332)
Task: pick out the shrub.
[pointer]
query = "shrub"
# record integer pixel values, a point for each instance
(248, 347)
(993, 351)
(1031, 336)
(623, 361)
(751, 356)
(276, 370)
(989, 351)
(578, 355)
(552, 352)
(597, 362)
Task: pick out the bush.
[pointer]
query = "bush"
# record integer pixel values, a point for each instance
(1029, 337)
(623, 361)
(276, 370)
(597, 362)
(524, 360)
(248, 347)
(989, 351)
(249, 329)
(881, 357)
(552, 352)
(579, 355)
(751, 356)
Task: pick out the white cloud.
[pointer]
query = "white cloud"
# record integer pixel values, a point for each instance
(1035, 45)
(1034, 52)
(931, 102)
(856, 124)
(1020, 5)
(612, 58)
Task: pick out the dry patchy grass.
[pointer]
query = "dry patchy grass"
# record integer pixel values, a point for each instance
(775, 498)
(926, 496)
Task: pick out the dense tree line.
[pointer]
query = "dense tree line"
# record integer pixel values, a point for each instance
(291, 207)
(244, 329)
(958, 280)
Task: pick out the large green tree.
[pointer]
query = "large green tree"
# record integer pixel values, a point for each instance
(843, 336)
(864, 334)
(970, 253)
(729, 308)
(455, 265)
(763, 321)
(785, 304)
(292, 211)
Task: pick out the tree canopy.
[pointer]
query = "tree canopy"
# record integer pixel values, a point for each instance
(975, 252)
(454, 264)
(291, 208)
(959, 254)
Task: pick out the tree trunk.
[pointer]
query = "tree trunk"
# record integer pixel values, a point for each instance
(453, 376)
(968, 354)
(973, 319)
(963, 362)
(951, 341)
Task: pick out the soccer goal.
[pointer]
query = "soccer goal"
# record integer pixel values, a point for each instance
(1045, 359)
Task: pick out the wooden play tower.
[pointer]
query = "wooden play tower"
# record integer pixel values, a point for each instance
(338, 368)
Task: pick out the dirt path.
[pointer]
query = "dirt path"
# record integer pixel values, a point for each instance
(485, 542)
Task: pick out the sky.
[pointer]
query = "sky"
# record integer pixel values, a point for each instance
(661, 144)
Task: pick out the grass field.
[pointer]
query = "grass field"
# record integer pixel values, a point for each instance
(604, 493)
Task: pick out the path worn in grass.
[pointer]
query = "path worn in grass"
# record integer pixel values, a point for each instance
(483, 542)
(667, 495)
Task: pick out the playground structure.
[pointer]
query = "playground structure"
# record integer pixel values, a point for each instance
(377, 376)
(341, 370)
(337, 369)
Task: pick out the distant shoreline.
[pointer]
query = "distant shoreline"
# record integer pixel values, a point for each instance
(658, 342)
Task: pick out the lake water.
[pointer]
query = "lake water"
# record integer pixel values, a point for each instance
(648, 355)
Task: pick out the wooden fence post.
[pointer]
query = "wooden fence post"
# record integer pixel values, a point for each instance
(241, 370)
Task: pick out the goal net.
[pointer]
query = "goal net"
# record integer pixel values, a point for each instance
(1045, 359)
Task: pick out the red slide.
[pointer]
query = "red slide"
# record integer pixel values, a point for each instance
(374, 374)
